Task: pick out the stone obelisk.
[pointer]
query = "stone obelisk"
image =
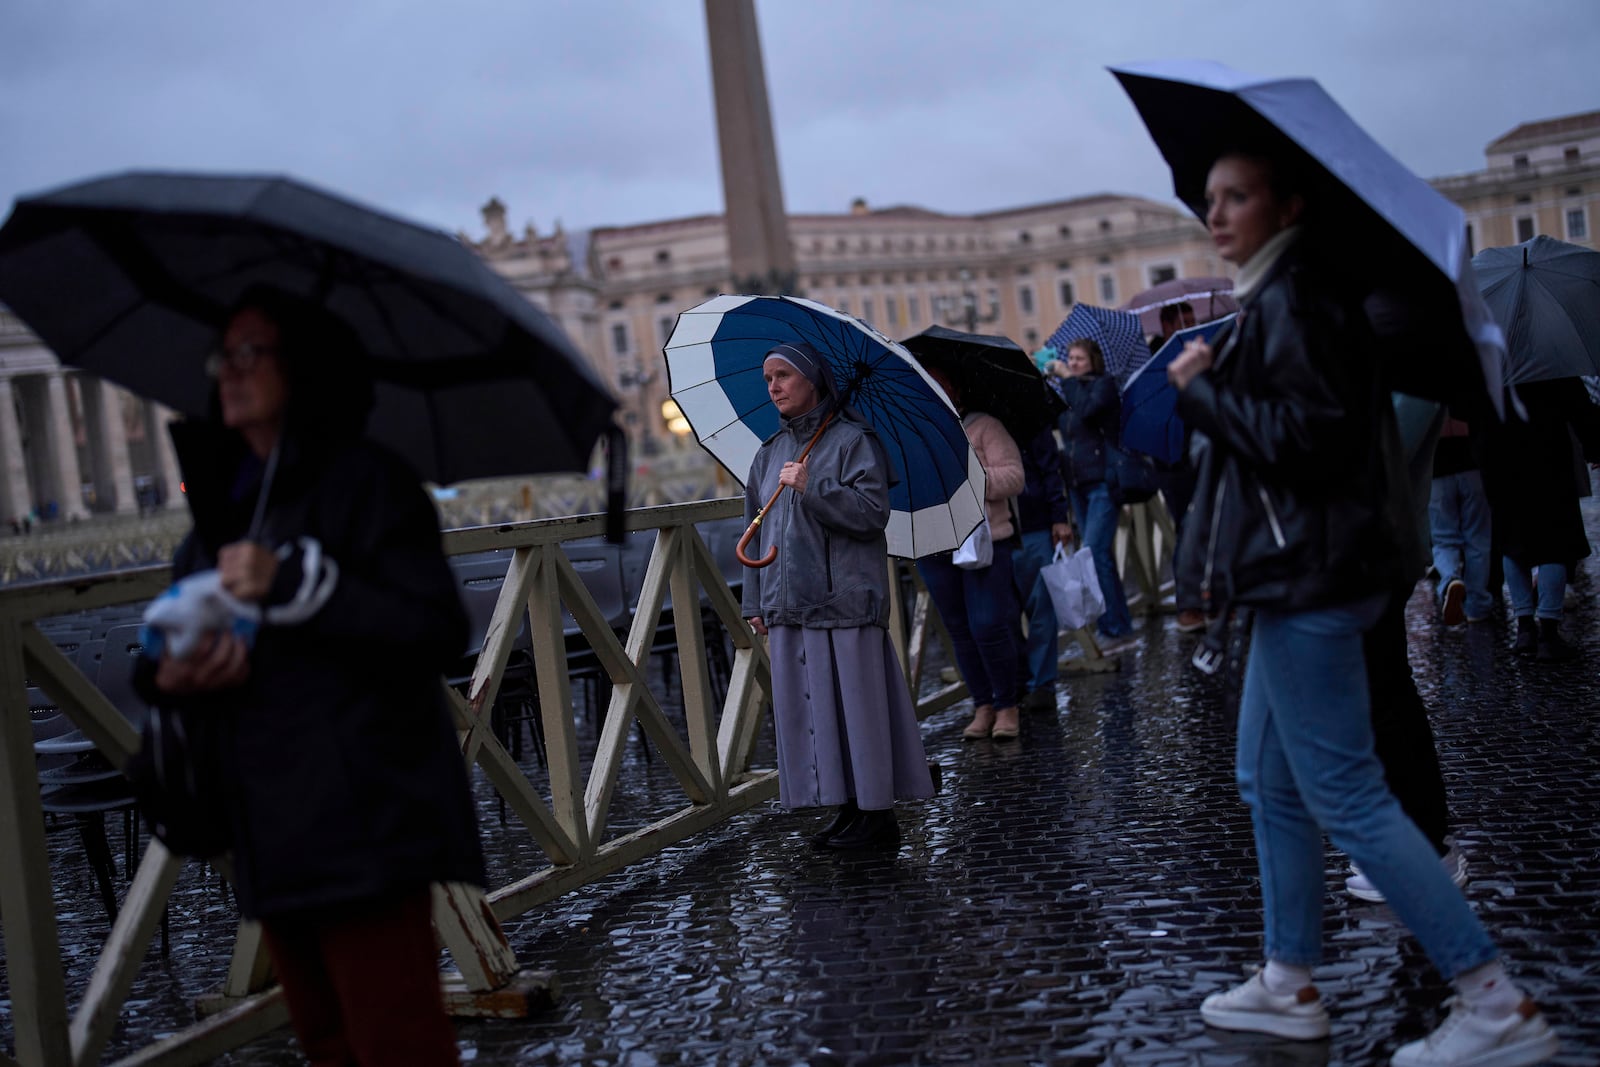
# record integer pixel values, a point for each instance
(760, 253)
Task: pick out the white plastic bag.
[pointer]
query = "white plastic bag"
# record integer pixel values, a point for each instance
(977, 551)
(1074, 588)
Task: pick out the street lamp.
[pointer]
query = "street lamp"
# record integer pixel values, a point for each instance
(967, 313)
(631, 378)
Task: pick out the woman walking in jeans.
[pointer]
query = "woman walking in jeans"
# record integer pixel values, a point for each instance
(979, 607)
(1293, 517)
(1090, 426)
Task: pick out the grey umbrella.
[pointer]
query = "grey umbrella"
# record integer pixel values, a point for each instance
(1545, 294)
(130, 277)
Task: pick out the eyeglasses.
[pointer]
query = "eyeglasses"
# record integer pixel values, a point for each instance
(240, 358)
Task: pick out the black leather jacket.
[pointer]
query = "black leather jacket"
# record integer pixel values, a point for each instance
(1295, 505)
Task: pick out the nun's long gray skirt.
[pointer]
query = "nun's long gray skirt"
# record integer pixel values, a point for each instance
(845, 722)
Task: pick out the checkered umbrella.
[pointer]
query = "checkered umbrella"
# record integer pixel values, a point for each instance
(1118, 333)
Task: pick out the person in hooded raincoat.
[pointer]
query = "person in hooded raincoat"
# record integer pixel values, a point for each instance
(339, 772)
(846, 727)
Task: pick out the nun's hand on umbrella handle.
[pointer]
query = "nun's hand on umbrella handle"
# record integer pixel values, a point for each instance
(1194, 359)
(750, 531)
(794, 475)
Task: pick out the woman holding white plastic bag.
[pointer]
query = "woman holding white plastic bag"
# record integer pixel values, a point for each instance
(979, 605)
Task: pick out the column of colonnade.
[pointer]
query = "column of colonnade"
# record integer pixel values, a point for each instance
(110, 469)
(39, 454)
(15, 500)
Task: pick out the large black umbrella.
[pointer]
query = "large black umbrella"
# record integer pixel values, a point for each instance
(1545, 294)
(131, 276)
(1398, 234)
(994, 374)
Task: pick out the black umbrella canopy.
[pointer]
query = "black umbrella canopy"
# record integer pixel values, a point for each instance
(131, 277)
(1391, 233)
(1545, 294)
(994, 374)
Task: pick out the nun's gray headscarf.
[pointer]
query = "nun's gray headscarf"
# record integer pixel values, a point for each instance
(809, 362)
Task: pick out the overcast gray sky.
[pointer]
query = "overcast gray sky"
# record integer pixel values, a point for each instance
(598, 112)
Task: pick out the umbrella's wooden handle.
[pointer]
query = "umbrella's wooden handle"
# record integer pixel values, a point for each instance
(750, 531)
(755, 523)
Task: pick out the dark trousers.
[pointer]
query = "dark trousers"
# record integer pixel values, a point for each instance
(362, 983)
(1401, 733)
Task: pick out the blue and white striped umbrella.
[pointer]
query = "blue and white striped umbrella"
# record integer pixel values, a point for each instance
(1119, 334)
(714, 359)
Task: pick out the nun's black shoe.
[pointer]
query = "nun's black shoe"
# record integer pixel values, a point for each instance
(847, 814)
(873, 829)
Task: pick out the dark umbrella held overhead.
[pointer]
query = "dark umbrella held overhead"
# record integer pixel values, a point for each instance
(130, 277)
(994, 374)
(1400, 234)
(1545, 294)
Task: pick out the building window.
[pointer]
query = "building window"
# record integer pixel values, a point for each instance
(1472, 241)
(1066, 232)
(1025, 237)
(1571, 154)
(844, 304)
(1067, 299)
(1108, 290)
(710, 290)
(1162, 272)
(1577, 224)
(1033, 338)
(664, 324)
(1105, 225)
(891, 310)
(619, 338)
(663, 298)
(614, 263)
(913, 309)
(1524, 228)
(1520, 162)
(866, 308)
(1025, 299)
(663, 255)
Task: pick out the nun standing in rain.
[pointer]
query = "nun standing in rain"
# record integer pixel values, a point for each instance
(846, 729)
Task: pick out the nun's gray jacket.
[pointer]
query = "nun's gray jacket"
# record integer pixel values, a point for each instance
(832, 565)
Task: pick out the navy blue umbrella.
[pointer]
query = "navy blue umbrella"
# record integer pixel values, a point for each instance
(714, 359)
(1150, 422)
(1118, 333)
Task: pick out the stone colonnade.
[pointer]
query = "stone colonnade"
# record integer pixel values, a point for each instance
(44, 472)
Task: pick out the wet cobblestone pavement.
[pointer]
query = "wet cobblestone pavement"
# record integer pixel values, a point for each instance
(1069, 897)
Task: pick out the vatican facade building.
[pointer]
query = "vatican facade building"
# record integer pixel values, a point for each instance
(73, 445)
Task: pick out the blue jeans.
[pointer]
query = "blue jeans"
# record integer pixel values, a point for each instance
(1042, 647)
(1458, 518)
(1306, 766)
(1096, 515)
(1552, 589)
(979, 609)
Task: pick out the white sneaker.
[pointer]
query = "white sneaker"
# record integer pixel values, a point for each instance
(1253, 1007)
(1471, 1039)
(1360, 886)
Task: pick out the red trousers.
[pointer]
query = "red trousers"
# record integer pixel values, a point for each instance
(362, 983)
